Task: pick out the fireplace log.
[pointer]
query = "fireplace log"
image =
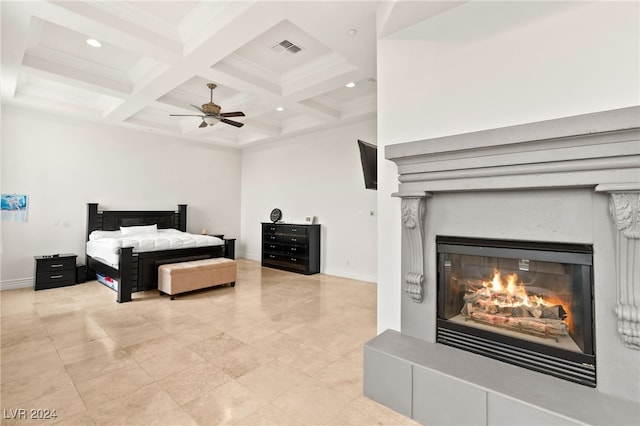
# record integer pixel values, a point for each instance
(473, 297)
(521, 311)
(536, 312)
(541, 326)
(554, 312)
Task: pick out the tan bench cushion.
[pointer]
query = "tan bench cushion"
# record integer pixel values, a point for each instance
(181, 277)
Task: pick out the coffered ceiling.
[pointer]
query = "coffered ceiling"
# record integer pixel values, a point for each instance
(157, 57)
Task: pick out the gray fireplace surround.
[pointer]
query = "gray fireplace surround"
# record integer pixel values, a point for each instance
(567, 180)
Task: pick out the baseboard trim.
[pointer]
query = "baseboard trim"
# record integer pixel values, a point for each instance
(335, 272)
(17, 283)
(250, 256)
(352, 275)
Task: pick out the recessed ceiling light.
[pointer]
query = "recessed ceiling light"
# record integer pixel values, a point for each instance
(350, 84)
(352, 32)
(280, 109)
(93, 42)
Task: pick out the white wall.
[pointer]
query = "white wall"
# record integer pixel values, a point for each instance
(62, 164)
(493, 64)
(319, 175)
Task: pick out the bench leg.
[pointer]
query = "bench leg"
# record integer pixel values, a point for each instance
(232, 284)
(172, 297)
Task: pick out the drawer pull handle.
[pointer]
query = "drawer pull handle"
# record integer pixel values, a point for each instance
(293, 259)
(57, 276)
(294, 239)
(293, 249)
(57, 265)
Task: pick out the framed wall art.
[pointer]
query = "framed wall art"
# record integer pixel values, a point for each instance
(14, 207)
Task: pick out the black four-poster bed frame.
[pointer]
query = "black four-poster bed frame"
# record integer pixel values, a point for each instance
(139, 271)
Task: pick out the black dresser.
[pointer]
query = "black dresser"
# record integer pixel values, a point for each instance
(294, 248)
(52, 272)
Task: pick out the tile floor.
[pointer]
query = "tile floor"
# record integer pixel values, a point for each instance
(278, 349)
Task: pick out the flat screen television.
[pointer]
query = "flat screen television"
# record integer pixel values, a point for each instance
(369, 160)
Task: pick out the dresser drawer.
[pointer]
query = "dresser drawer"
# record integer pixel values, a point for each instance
(297, 251)
(273, 238)
(295, 230)
(293, 239)
(284, 261)
(269, 229)
(272, 248)
(285, 249)
(285, 238)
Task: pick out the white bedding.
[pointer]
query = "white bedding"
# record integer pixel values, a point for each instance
(105, 245)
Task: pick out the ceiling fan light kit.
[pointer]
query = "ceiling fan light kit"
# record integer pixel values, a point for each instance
(210, 120)
(211, 113)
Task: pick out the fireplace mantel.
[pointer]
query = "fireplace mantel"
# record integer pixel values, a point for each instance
(598, 150)
(581, 151)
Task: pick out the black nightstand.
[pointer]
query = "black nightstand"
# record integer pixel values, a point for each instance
(55, 271)
(230, 248)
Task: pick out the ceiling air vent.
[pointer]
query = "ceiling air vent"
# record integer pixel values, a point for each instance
(286, 46)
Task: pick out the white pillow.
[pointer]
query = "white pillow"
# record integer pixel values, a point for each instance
(97, 235)
(139, 230)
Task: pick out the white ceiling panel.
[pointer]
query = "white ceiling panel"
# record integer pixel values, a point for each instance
(157, 58)
(267, 52)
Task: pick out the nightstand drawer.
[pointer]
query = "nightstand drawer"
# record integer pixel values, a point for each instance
(55, 264)
(59, 277)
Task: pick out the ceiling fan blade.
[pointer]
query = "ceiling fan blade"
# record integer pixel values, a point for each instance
(198, 108)
(233, 123)
(232, 114)
(184, 115)
(203, 124)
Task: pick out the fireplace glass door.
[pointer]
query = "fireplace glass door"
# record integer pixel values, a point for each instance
(526, 303)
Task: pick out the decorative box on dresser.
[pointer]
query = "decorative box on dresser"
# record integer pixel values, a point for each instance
(294, 248)
(55, 271)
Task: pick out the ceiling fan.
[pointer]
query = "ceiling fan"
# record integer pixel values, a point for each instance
(211, 114)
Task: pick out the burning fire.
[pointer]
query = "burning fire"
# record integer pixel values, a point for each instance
(505, 302)
(511, 294)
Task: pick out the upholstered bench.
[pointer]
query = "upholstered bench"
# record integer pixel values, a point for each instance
(175, 278)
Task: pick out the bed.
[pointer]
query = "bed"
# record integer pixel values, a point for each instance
(133, 269)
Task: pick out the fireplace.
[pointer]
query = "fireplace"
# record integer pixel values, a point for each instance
(526, 303)
(570, 231)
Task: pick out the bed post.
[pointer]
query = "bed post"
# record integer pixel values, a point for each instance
(92, 218)
(92, 225)
(182, 217)
(126, 279)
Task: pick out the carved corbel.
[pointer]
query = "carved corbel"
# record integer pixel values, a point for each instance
(624, 208)
(413, 212)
